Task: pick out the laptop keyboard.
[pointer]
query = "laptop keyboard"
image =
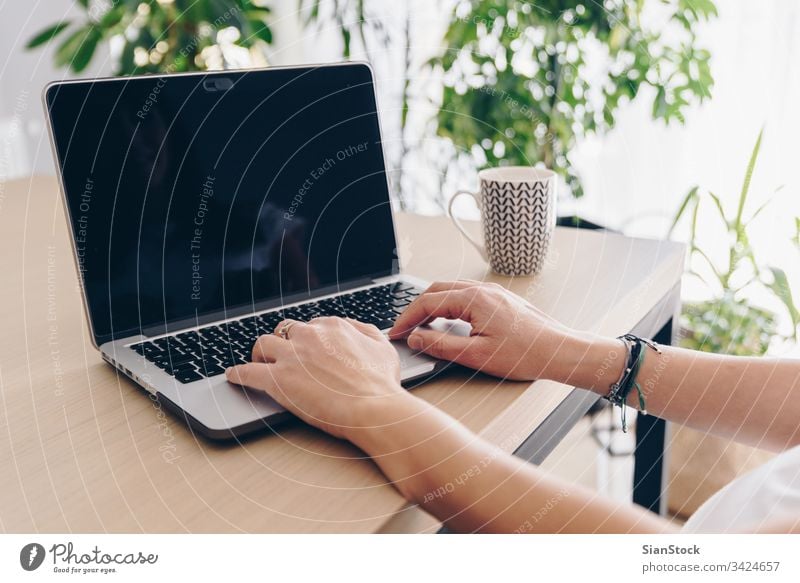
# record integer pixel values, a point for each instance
(207, 352)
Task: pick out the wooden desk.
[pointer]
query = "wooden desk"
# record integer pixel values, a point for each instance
(83, 450)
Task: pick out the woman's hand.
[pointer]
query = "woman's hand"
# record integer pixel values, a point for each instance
(330, 372)
(510, 338)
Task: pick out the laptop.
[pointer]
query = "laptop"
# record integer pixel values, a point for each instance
(204, 208)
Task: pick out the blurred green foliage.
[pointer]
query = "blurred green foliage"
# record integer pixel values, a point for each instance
(524, 80)
(729, 324)
(154, 36)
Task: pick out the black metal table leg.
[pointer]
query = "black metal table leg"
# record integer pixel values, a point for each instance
(649, 473)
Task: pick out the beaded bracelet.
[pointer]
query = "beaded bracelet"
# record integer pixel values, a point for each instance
(635, 349)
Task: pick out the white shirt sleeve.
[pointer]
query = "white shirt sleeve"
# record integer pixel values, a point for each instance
(768, 493)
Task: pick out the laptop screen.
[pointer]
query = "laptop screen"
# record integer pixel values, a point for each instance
(192, 197)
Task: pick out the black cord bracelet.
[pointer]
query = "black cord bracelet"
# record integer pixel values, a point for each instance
(636, 349)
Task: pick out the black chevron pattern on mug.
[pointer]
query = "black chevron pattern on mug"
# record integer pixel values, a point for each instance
(518, 223)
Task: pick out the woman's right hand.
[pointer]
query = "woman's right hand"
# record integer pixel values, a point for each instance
(510, 338)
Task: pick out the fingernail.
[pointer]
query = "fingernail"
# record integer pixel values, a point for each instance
(229, 371)
(415, 341)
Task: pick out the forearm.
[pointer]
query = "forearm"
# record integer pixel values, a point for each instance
(473, 486)
(752, 400)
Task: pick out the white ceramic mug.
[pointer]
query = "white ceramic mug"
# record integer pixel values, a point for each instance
(518, 213)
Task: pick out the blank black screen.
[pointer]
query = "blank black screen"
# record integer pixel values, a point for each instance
(192, 195)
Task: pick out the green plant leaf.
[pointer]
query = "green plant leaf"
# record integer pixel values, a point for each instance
(77, 50)
(259, 9)
(699, 8)
(718, 204)
(261, 30)
(85, 52)
(126, 65)
(780, 286)
(748, 175)
(47, 34)
(758, 211)
(67, 48)
(763, 205)
(708, 261)
(693, 227)
(690, 196)
(112, 18)
(797, 231)
(346, 41)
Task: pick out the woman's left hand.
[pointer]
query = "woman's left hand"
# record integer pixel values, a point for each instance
(328, 372)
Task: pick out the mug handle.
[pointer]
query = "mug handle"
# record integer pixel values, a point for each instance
(481, 249)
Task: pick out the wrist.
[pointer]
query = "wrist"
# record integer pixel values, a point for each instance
(591, 362)
(409, 439)
(376, 421)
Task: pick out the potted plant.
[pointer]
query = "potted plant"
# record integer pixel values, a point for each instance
(517, 87)
(514, 84)
(727, 323)
(162, 37)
